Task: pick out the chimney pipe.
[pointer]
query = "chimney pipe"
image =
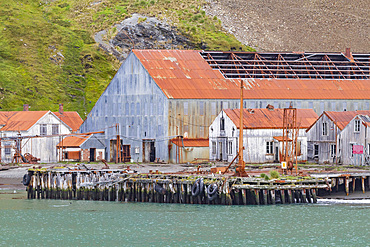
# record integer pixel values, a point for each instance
(25, 107)
(348, 54)
(61, 111)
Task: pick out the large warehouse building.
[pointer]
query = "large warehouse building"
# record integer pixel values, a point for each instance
(157, 95)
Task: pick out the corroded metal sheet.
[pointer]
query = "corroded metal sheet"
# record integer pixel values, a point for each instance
(73, 141)
(269, 119)
(191, 142)
(19, 120)
(185, 74)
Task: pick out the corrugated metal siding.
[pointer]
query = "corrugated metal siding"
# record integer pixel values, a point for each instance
(133, 100)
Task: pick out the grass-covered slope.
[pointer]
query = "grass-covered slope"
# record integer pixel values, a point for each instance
(48, 55)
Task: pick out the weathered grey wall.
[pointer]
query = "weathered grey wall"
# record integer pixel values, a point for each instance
(133, 100)
(315, 136)
(348, 136)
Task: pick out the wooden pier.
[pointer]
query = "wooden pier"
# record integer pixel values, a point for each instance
(116, 185)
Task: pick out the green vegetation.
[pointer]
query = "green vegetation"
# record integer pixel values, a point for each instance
(48, 55)
(274, 174)
(265, 176)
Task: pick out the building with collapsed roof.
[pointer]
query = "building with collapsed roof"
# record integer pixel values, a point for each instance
(262, 134)
(34, 132)
(334, 136)
(160, 94)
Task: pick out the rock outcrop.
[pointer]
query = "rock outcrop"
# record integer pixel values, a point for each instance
(141, 32)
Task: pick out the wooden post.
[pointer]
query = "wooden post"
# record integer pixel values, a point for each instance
(282, 196)
(363, 184)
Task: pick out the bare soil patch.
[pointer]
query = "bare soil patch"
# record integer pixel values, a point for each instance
(296, 25)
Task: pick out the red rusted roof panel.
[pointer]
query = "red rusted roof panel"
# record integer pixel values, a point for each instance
(199, 80)
(19, 120)
(341, 119)
(269, 119)
(73, 141)
(191, 142)
(70, 118)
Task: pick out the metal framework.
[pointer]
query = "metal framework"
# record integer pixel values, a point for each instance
(289, 65)
(290, 136)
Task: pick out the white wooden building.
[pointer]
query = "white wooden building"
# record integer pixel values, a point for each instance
(262, 134)
(332, 136)
(34, 132)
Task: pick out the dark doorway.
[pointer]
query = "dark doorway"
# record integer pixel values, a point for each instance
(92, 154)
(148, 151)
(276, 154)
(113, 150)
(126, 154)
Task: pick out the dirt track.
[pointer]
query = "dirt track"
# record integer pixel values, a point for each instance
(296, 25)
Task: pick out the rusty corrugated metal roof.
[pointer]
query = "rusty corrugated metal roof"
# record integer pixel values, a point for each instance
(23, 120)
(191, 142)
(73, 141)
(70, 118)
(269, 119)
(184, 74)
(341, 119)
(19, 120)
(281, 138)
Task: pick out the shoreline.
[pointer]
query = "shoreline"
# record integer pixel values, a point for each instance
(11, 177)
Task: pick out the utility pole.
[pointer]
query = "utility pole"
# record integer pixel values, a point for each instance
(118, 146)
(240, 170)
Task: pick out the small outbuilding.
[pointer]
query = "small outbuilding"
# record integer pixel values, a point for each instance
(81, 147)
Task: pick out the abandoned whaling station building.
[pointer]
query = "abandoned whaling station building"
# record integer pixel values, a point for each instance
(157, 95)
(335, 137)
(262, 134)
(34, 132)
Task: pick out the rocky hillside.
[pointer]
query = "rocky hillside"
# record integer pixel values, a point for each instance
(48, 54)
(296, 25)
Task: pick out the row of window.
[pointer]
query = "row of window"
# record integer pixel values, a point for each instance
(333, 150)
(44, 129)
(229, 147)
(325, 127)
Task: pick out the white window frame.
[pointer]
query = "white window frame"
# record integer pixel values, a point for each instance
(43, 129)
(269, 147)
(333, 150)
(55, 129)
(230, 147)
(357, 125)
(324, 128)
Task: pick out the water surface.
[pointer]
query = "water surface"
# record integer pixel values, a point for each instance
(90, 223)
